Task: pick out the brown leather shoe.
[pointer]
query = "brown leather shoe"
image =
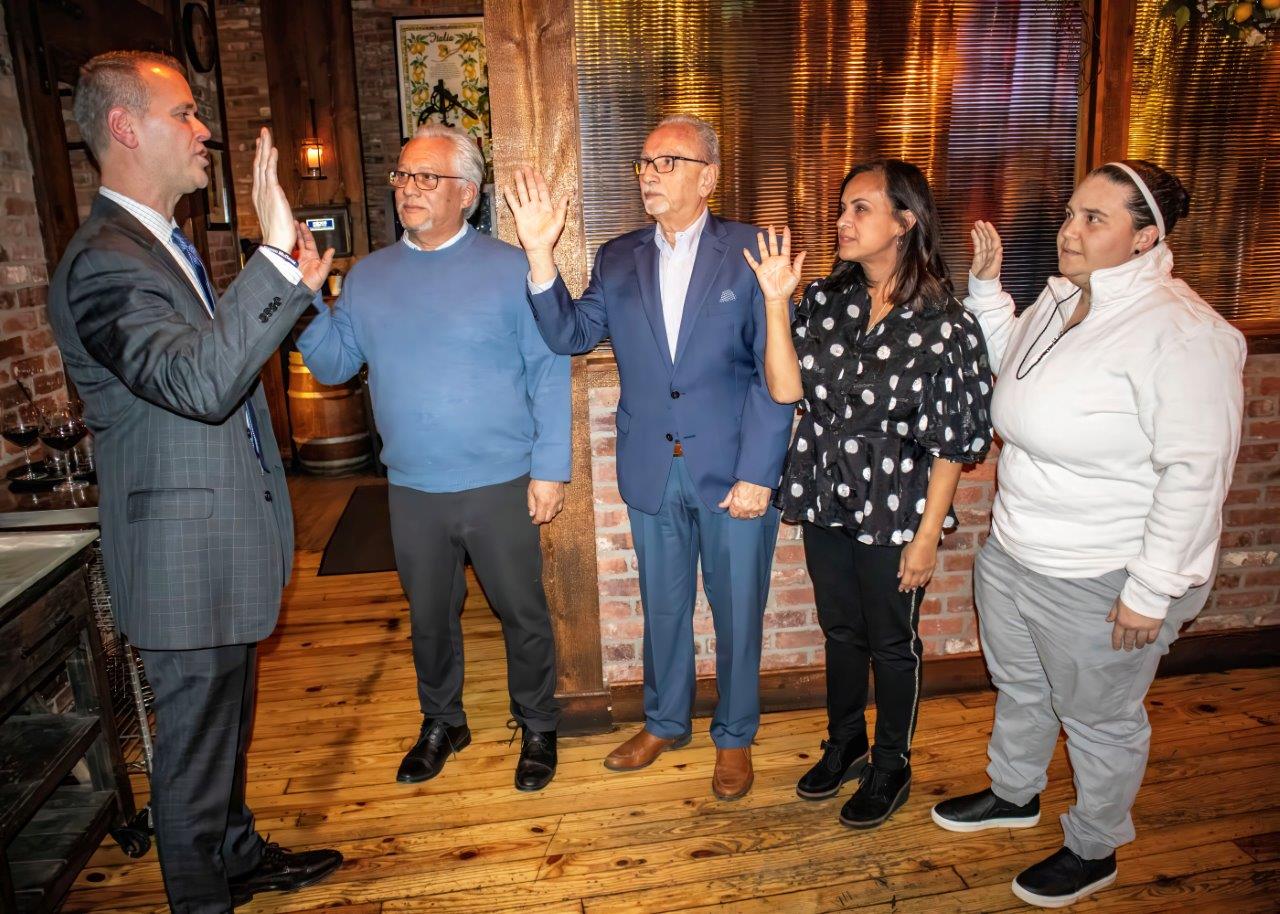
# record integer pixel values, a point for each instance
(733, 775)
(640, 751)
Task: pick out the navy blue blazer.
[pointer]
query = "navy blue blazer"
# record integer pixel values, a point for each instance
(713, 397)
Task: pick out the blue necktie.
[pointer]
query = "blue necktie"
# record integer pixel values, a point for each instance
(183, 244)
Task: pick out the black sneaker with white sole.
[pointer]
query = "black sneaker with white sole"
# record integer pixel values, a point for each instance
(983, 810)
(1063, 879)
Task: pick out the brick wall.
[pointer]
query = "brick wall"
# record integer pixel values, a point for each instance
(26, 342)
(246, 96)
(1247, 593)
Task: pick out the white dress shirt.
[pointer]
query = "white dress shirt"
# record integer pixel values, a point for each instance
(675, 269)
(452, 241)
(163, 228)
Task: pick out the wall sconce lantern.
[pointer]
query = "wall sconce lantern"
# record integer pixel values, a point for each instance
(312, 152)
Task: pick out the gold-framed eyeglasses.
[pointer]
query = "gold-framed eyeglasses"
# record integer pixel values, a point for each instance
(663, 164)
(425, 180)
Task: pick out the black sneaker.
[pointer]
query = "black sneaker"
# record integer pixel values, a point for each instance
(281, 870)
(840, 762)
(436, 742)
(537, 765)
(882, 792)
(1063, 879)
(983, 810)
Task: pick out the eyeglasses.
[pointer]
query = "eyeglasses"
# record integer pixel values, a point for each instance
(424, 179)
(663, 164)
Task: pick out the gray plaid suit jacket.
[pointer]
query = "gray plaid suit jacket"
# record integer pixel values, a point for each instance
(197, 538)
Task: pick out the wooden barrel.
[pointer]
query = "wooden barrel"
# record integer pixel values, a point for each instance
(329, 426)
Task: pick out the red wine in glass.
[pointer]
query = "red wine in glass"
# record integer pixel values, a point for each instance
(22, 437)
(63, 430)
(63, 439)
(21, 426)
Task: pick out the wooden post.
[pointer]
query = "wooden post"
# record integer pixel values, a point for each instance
(533, 92)
(1106, 66)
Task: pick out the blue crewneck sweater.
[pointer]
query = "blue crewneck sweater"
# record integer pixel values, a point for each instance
(465, 391)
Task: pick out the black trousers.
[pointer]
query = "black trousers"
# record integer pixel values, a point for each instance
(868, 624)
(205, 833)
(433, 532)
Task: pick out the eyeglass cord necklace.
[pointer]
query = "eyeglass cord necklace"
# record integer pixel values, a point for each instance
(1023, 368)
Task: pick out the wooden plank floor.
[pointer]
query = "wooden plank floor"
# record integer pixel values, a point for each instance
(338, 709)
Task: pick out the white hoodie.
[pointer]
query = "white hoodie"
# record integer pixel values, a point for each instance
(1119, 445)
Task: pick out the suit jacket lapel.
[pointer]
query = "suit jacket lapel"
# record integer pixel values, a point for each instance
(711, 251)
(651, 295)
(114, 212)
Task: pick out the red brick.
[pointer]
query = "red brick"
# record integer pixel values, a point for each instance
(793, 596)
(1268, 430)
(616, 653)
(801, 638)
(1245, 598)
(620, 587)
(612, 565)
(611, 541)
(943, 625)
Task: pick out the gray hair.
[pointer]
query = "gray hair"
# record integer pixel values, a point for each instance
(467, 159)
(704, 131)
(113, 80)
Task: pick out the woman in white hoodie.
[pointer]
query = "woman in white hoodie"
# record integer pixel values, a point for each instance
(1118, 398)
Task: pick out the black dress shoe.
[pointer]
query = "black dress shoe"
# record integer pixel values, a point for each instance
(435, 744)
(281, 870)
(1063, 879)
(840, 762)
(982, 810)
(537, 765)
(880, 794)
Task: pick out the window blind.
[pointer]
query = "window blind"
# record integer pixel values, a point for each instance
(1207, 108)
(981, 95)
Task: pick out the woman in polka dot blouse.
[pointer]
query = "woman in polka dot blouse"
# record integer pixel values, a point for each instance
(893, 380)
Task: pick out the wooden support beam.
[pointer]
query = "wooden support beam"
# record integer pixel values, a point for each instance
(533, 92)
(1106, 67)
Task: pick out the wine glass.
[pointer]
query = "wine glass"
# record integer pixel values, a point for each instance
(21, 426)
(62, 430)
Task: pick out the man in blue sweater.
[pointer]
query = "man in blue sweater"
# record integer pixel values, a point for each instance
(473, 409)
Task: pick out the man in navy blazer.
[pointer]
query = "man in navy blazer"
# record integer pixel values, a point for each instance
(700, 441)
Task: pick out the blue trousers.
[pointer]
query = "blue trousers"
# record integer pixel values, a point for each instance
(737, 556)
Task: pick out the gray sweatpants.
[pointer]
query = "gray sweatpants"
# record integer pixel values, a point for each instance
(1047, 644)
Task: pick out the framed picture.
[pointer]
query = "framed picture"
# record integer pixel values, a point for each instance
(442, 76)
(218, 190)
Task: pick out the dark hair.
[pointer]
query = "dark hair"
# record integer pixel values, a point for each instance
(921, 279)
(1169, 194)
(113, 80)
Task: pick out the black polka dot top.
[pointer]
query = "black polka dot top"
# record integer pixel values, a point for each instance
(878, 407)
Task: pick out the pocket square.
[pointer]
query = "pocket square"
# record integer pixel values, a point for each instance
(727, 295)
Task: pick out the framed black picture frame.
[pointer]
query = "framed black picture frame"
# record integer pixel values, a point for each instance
(218, 192)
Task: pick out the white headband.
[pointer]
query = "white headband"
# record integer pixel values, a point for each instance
(1146, 195)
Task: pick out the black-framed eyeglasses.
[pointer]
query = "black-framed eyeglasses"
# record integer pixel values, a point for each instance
(424, 179)
(663, 164)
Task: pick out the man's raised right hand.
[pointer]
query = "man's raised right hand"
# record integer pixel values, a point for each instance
(539, 220)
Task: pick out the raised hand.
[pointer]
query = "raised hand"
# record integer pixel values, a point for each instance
(539, 219)
(274, 213)
(776, 272)
(315, 268)
(987, 251)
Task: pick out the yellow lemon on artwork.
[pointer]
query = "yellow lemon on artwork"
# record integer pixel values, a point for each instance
(418, 73)
(1242, 12)
(1271, 4)
(443, 50)
(469, 71)
(417, 46)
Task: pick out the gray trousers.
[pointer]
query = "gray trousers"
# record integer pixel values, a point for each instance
(1047, 644)
(433, 533)
(204, 831)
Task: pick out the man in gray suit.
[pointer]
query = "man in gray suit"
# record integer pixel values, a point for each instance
(197, 530)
